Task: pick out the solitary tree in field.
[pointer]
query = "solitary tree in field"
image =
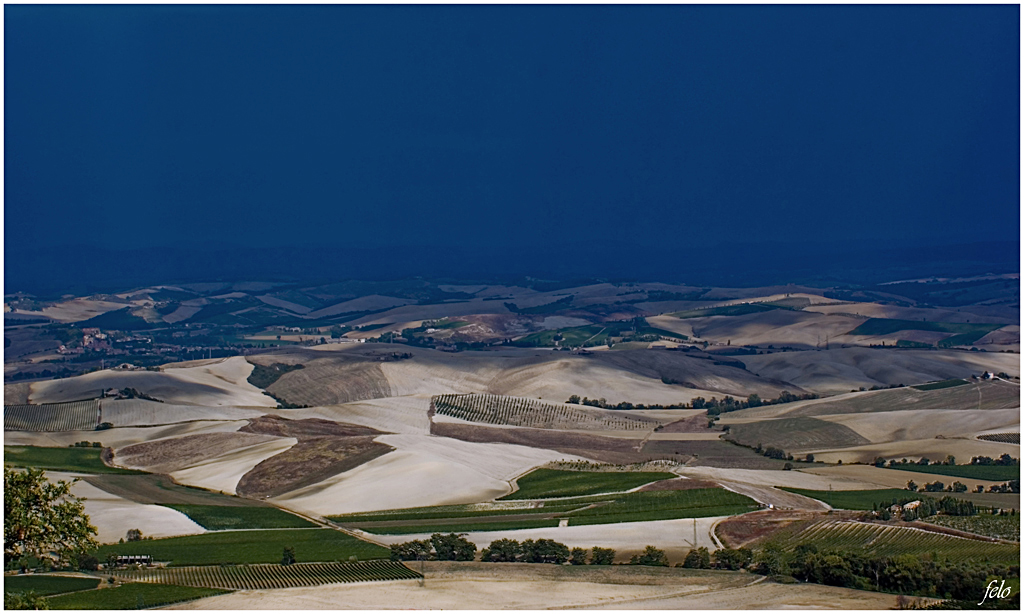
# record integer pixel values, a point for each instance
(42, 517)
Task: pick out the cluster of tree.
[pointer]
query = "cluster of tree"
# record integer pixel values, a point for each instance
(576, 400)
(338, 332)
(132, 393)
(728, 403)
(45, 373)
(651, 556)
(532, 551)
(1013, 486)
(926, 506)
(713, 406)
(924, 461)
(450, 547)
(86, 444)
(1005, 460)
(723, 558)
(905, 574)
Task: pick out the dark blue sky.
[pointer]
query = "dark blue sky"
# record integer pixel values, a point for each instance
(484, 125)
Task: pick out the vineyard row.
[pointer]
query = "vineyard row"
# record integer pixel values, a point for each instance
(253, 577)
(516, 411)
(54, 417)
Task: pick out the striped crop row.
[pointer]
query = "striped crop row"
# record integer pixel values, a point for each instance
(253, 577)
(516, 411)
(53, 417)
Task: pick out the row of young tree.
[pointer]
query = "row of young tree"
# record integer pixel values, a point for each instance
(454, 547)
(1004, 461)
(713, 406)
(1013, 486)
(727, 404)
(603, 404)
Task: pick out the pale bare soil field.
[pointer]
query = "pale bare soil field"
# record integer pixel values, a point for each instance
(675, 537)
(223, 472)
(779, 327)
(168, 455)
(140, 412)
(336, 374)
(423, 470)
(881, 427)
(975, 314)
(113, 515)
(885, 478)
(841, 370)
(74, 310)
(915, 449)
(392, 414)
(182, 313)
(119, 437)
(985, 395)
(221, 382)
(768, 478)
(527, 587)
(17, 393)
(772, 596)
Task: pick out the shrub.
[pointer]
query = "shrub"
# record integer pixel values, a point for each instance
(88, 562)
(650, 556)
(698, 558)
(544, 551)
(728, 558)
(411, 551)
(452, 547)
(501, 551)
(602, 556)
(578, 556)
(133, 535)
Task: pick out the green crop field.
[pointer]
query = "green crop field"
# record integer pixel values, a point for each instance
(865, 499)
(665, 505)
(889, 540)
(47, 584)
(130, 597)
(548, 483)
(607, 508)
(462, 527)
(444, 512)
(220, 517)
(946, 383)
(995, 473)
(989, 525)
(255, 577)
(854, 499)
(267, 546)
(79, 460)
